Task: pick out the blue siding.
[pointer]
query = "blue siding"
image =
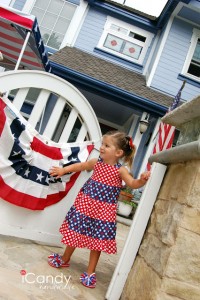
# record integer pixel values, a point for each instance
(90, 35)
(19, 4)
(91, 31)
(172, 61)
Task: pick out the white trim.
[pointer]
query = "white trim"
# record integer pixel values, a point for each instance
(162, 45)
(28, 6)
(12, 2)
(150, 57)
(136, 232)
(193, 43)
(130, 124)
(130, 28)
(75, 25)
(138, 135)
(7, 2)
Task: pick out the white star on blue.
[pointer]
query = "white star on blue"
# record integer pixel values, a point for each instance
(39, 177)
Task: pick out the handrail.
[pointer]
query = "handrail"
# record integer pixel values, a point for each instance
(182, 153)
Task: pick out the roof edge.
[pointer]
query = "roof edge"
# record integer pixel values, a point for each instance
(152, 24)
(108, 90)
(129, 16)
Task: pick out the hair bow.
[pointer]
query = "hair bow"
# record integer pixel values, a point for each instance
(132, 146)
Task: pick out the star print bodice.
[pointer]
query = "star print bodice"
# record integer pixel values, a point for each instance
(105, 183)
(91, 221)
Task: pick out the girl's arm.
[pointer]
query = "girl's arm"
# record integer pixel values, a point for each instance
(77, 167)
(130, 181)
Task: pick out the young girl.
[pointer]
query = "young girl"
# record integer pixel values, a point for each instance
(91, 221)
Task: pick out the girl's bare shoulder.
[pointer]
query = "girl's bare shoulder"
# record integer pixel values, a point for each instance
(90, 164)
(123, 170)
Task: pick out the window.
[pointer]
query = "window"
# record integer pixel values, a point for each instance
(126, 41)
(194, 67)
(54, 17)
(192, 63)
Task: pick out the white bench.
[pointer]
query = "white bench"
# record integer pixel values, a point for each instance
(44, 225)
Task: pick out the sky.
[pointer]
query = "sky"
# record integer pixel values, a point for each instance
(150, 7)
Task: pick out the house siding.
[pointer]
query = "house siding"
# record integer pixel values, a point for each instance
(19, 4)
(90, 35)
(91, 31)
(172, 60)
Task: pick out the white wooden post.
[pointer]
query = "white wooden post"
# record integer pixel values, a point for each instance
(136, 232)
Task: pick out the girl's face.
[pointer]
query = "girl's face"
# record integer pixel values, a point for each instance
(108, 150)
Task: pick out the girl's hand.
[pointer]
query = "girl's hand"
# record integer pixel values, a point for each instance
(145, 176)
(56, 172)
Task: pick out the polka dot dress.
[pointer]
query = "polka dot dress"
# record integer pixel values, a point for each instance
(91, 221)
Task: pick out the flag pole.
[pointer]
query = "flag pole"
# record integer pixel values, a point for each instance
(184, 82)
(22, 50)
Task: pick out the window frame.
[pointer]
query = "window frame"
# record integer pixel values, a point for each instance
(74, 26)
(193, 44)
(130, 28)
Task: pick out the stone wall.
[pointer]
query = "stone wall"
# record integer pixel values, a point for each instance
(167, 266)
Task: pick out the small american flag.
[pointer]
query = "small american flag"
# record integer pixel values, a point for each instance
(14, 26)
(25, 160)
(166, 132)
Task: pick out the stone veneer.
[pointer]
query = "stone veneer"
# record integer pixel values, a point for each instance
(167, 266)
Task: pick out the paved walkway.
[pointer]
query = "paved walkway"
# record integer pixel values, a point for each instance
(25, 274)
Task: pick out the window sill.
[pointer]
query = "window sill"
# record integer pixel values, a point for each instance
(119, 59)
(189, 80)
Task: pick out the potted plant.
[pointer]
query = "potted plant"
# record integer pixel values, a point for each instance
(126, 194)
(125, 205)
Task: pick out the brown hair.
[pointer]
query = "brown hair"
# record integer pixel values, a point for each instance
(125, 143)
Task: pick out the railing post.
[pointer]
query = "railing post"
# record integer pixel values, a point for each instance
(136, 232)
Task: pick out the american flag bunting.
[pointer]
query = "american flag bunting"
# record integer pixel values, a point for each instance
(25, 160)
(14, 26)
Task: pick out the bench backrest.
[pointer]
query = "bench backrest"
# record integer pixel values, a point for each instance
(61, 113)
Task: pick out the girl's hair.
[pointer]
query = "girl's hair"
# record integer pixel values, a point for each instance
(125, 143)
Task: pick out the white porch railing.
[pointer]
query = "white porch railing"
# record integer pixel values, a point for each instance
(136, 232)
